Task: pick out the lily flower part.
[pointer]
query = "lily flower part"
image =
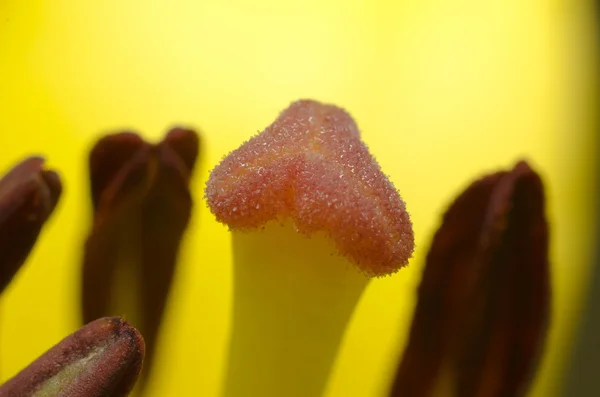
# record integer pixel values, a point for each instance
(28, 195)
(307, 174)
(142, 205)
(311, 166)
(482, 314)
(102, 359)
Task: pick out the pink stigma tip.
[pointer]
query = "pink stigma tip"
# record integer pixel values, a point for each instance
(310, 166)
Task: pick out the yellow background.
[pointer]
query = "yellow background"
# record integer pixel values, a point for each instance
(442, 90)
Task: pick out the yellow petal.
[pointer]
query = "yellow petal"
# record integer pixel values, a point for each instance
(442, 90)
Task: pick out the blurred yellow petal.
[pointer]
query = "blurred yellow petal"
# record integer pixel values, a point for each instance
(442, 90)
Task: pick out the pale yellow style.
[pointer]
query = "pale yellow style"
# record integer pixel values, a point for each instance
(442, 90)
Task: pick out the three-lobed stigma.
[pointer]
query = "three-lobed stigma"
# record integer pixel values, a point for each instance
(311, 166)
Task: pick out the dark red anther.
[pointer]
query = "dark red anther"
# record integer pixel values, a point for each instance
(28, 195)
(102, 359)
(142, 206)
(484, 301)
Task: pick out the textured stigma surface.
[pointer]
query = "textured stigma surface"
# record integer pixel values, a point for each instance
(311, 166)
